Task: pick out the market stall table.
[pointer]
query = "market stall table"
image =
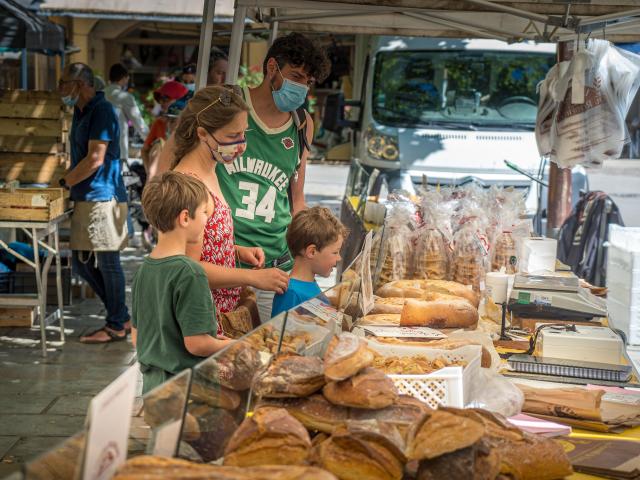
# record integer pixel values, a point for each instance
(44, 234)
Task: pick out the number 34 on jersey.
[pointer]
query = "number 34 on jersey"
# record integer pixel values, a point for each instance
(254, 204)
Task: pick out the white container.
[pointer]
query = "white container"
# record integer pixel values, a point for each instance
(627, 238)
(449, 386)
(624, 318)
(586, 344)
(623, 268)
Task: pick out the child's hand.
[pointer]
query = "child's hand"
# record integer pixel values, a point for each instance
(253, 256)
(223, 337)
(270, 279)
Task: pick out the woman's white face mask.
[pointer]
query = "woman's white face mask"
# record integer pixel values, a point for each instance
(227, 152)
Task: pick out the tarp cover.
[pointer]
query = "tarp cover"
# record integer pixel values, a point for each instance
(21, 28)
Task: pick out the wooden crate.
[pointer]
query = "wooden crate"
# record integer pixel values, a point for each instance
(33, 136)
(17, 317)
(32, 204)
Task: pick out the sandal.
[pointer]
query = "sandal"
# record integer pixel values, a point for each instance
(113, 337)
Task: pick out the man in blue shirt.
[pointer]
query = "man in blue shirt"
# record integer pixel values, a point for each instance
(99, 221)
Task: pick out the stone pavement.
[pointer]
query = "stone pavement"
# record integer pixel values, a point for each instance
(43, 401)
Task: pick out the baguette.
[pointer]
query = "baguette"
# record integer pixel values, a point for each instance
(426, 289)
(439, 314)
(346, 355)
(369, 389)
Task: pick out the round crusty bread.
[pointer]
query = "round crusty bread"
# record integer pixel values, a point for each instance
(439, 314)
(369, 389)
(346, 355)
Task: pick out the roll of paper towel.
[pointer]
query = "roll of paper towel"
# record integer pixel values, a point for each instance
(538, 254)
(497, 285)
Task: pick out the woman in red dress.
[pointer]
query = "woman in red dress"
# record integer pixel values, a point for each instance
(211, 130)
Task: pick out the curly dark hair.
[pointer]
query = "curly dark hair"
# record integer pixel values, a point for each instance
(299, 51)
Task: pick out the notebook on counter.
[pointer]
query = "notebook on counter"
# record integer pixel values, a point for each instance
(570, 368)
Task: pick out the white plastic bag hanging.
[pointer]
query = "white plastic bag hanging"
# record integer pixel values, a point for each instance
(588, 125)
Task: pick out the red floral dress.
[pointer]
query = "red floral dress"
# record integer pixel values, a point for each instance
(218, 248)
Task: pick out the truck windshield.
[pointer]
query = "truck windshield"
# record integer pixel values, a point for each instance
(458, 89)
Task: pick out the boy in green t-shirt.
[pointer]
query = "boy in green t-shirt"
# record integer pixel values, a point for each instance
(173, 317)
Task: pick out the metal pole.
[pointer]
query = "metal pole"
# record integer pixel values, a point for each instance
(273, 33)
(235, 47)
(24, 71)
(559, 198)
(513, 11)
(204, 49)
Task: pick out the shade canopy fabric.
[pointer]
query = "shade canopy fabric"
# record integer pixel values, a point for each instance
(21, 28)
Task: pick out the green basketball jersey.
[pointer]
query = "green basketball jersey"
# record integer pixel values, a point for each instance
(256, 186)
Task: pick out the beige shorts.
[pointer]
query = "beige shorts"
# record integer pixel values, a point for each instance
(99, 226)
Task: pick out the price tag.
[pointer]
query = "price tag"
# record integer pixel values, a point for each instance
(323, 311)
(404, 332)
(109, 420)
(39, 200)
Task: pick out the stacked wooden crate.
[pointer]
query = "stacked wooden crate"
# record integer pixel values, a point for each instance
(34, 131)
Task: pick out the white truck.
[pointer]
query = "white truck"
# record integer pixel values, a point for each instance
(451, 111)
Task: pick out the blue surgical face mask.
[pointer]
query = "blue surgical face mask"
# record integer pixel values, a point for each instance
(290, 96)
(70, 100)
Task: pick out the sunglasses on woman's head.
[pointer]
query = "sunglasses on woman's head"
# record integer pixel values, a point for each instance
(225, 98)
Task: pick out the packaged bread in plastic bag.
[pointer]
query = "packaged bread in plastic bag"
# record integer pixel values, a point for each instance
(433, 239)
(395, 247)
(596, 90)
(509, 206)
(470, 254)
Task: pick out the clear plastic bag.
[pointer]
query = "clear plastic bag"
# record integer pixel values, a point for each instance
(496, 393)
(400, 225)
(470, 253)
(433, 239)
(597, 89)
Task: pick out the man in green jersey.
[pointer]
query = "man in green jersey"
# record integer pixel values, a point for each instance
(257, 185)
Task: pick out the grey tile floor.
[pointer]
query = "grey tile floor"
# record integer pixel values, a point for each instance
(44, 400)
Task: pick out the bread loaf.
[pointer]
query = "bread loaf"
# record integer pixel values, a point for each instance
(523, 456)
(346, 355)
(314, 412)
(426, 289)
(440, 432)
(387, 305)
(270, 437)
(478, 462)
(369, 389)
(214, 395)
(215, 427)
(505, 254)
(161, 468)
(234, 367)
(439, 314)
(290, 376)
(404, 412)
(357, 453)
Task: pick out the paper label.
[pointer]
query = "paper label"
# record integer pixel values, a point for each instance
(166, 439)
(39, 200)
(322, 310)
(541, 299)
(109, 420)
(404, 332)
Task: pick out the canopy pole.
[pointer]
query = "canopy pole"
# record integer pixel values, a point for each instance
(235, 48)
(273, 33)
(204, 49)
(559, 196)
(24, 71)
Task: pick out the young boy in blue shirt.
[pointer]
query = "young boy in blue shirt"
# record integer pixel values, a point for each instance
(314, 238)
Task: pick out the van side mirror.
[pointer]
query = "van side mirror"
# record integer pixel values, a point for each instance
(334, 110)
